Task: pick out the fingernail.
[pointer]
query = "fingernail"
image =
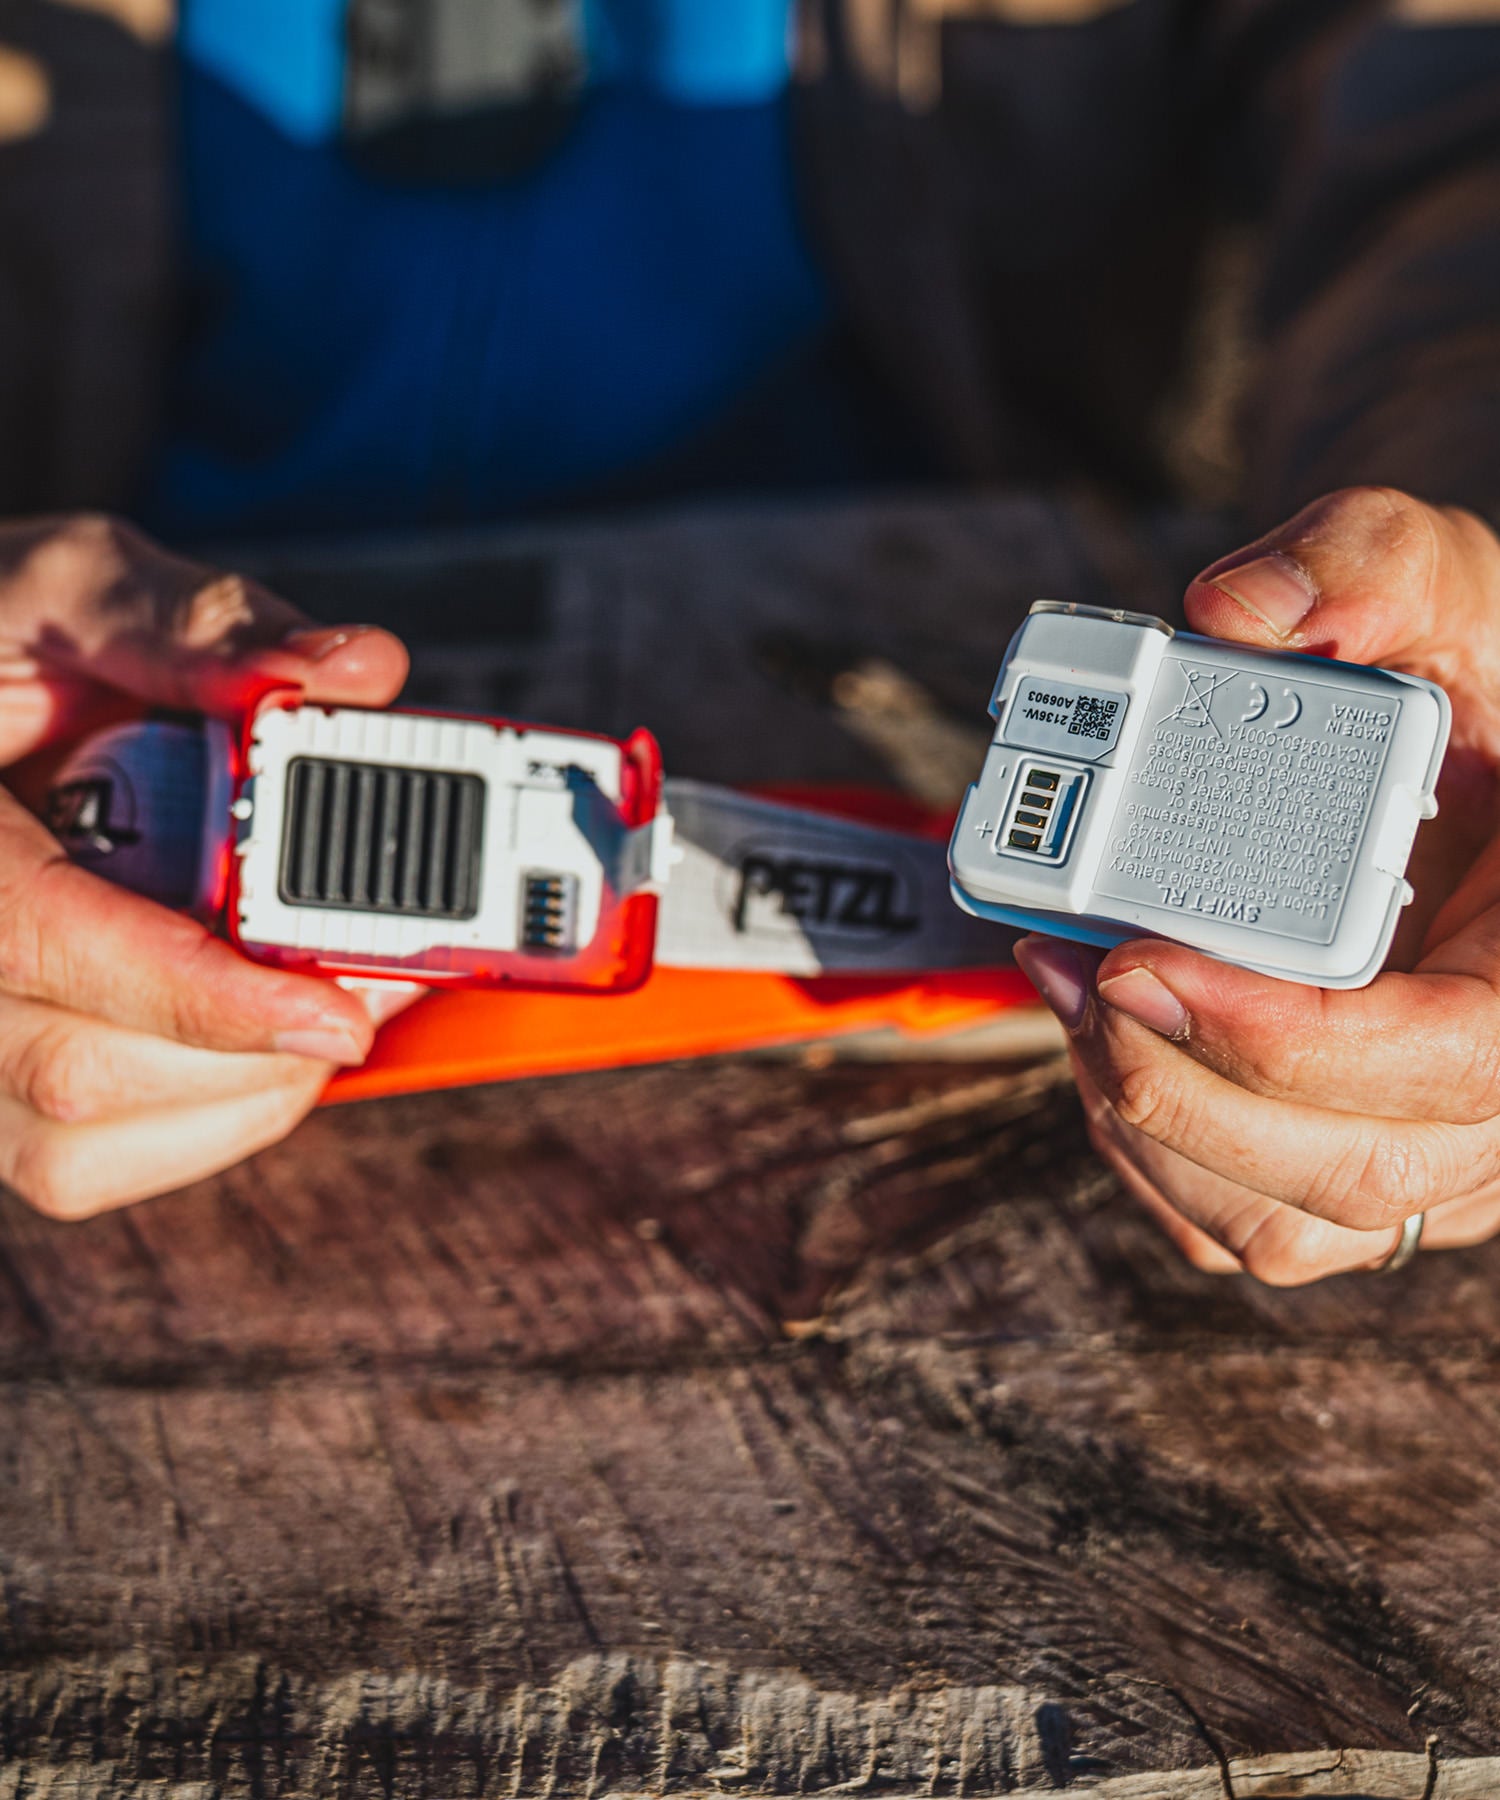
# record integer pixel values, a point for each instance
(384, 1002)
(322, 1046)
(1274, 589)
(1139, 993)
(1057, 974)
(317, 641)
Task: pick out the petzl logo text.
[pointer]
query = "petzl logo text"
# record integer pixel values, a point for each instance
(780, 890)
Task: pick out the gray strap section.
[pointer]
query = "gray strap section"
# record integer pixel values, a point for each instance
(762, 886)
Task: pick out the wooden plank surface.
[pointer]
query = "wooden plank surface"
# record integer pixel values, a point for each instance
(762, 1426)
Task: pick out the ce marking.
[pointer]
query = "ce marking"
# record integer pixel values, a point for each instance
(1260, 700)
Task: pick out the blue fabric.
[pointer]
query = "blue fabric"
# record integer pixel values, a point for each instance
(285, 57)
(703, 52)
(366, 352)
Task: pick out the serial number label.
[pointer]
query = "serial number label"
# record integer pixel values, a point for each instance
(1247, 800)
(1082, 724)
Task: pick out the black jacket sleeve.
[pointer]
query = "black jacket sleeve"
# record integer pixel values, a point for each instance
(1379, 310)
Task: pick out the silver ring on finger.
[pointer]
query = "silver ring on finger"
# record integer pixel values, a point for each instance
(1405, 1247)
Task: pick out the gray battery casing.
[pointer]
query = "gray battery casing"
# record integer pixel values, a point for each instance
(1260, 807)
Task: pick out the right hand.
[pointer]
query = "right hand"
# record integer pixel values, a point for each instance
(138, 1052)
(1287, 1129)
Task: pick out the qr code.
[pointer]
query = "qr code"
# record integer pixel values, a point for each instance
(1092, 718)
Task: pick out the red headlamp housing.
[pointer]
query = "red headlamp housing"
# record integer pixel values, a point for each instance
(393, 846)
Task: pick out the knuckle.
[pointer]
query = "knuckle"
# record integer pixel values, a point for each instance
(55, 1076)
(1211, 1259)
(104, 535)
(1148, 1100)
(42, 1173)
(1278, 1062)
(292, 1107)
(216, 611)
(1381, 1179)
(1286, 1248)
(1276, 1265)
(1402, 529)
(83, 551)
(1407, 1173)
(1388, 514)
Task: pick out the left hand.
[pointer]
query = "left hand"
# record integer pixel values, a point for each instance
(139, 1052)
(1289, 1130)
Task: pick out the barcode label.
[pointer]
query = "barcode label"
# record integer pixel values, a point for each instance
(1093, 717)
(1078, 723)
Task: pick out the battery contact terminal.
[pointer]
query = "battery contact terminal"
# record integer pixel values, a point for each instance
(1041, 812)
(549, 912)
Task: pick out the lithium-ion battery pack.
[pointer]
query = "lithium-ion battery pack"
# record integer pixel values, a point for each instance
(1260, 807)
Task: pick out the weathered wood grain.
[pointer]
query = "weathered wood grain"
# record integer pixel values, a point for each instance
(757, 1426)
(831, 1397)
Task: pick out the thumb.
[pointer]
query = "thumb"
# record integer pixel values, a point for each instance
(232, 642)
(1366, 575)
(94, 599)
